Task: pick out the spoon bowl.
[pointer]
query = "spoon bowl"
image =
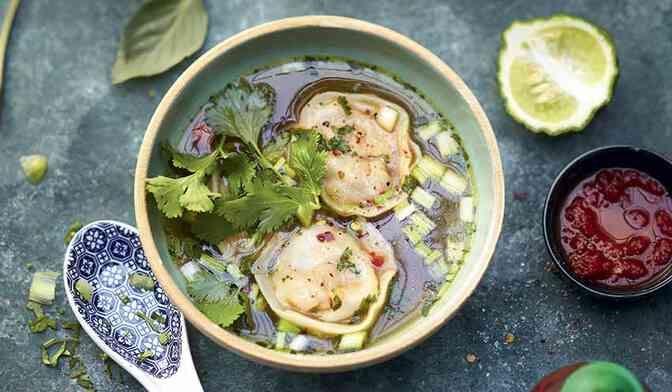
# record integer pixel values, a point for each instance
(139, 329)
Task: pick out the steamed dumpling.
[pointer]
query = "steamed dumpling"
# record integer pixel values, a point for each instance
(366, 180)
(322, 275)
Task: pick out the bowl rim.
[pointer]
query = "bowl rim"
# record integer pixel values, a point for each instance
(547, 220)
(314, 363)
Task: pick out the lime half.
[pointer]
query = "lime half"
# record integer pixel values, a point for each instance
(554, 73)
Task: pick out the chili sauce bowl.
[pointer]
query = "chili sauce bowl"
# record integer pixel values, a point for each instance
(325, 36)
(575, 173)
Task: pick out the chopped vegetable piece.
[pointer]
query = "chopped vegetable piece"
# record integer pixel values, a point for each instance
(453, 182)
(387, 118)
(84, 289)
(288, 326)
(344, 105)
(145, 355)
(52, 360)
(467, 209)
(234, 271)
(141, 281)
(72, 230)
(34, 167)
(432, 257)
(438, 269)
(43, 287)
(41, 321)
(426, 168)
(281, 341)
(381, 199)
(447, 144)
(430, 129)
(352, 341)
(409, 184)
(404, 209)
(412, 233)
(422, 223)
(454, 250)
(190, 270)
(345, 262)
(444, 288)
(423, 197)
(422, 249)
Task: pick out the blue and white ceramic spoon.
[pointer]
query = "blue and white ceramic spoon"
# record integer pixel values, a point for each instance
(154, 350)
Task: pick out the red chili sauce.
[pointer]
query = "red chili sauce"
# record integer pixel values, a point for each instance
(616, 228)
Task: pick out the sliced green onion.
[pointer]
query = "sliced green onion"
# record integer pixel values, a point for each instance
(352, 341)
(422, 249)
(423, 197)
(141, 281)
(431, 166)
(43, 287)
(454, 250)
(281, 341)
(467, 209)
(72, 230)
(438, 269)
(411, 233)
(84, 289)
(444, 288)
(432, 257)
(453, 182)
(190, 270)
(423, 225)
(288, 327)
(34, 167)
(447, 144)
(403, 210)
(381, 199)
(52, 360)
(430, 129)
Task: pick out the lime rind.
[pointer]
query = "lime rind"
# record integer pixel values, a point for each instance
(593, 97)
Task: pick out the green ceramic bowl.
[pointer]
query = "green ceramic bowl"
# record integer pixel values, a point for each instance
(325, 36)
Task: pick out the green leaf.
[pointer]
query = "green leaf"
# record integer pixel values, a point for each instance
(308, 161)
(212, 228)
(197, 196)
(173, 195)
(239, 171)
(241, 110)
(223, 313)
(206, 287)
(160, 34)
(205, 163)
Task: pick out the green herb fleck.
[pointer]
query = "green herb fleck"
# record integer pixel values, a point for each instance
(72, 230)
(84, 289)
(337, 143)
(345, 262)
(409, 184)
(145, 355)
(141, 281)
(344, 105)
(344, 130)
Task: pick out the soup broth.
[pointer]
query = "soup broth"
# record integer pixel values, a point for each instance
(415, 232)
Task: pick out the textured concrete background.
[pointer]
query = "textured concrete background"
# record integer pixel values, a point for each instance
(59, 101)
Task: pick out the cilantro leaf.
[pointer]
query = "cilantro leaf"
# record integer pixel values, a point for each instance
(192, 163)
(344, 105)
(208, 288)
(173, 195)
(239, 171)
(241, 110)
(337, 143)
(308, 161)
(212, 228)
(223, 313)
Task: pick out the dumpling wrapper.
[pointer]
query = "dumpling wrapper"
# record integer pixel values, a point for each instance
(379, 160)
(305, 278)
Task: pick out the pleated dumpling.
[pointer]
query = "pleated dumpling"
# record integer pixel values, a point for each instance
(371, 150)
(326, 279)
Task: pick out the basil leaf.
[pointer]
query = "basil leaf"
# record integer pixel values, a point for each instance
(161, 34)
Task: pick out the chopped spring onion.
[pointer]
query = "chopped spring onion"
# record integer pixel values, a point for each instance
(447, 144)
(141, 281)
(412, 234)
(387, 118)
(34, 167)
(403, 210)
(444, 288)
(467, 209)
(190, 270)
(288, 327)
(352, 341)
(84, 289)
(300, 343)
(432, 257)
(381, 199)
(423, 197)
(212, 263)
(453, 182)
(281, 341)
(43, 287)
(234, 271)
(422, 249)
(422, 223)
(438, 269)
(426, 168)
(454, 250)
(430, 129)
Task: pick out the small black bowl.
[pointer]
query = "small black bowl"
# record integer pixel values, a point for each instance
(578, 170)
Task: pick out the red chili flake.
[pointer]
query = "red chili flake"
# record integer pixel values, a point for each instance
(326, 236)
(376, 260)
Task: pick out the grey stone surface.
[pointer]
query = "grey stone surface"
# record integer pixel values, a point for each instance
(59, 101)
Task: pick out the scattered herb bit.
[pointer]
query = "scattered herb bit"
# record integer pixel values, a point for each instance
(145, 355)
(41, 322)
(72, 230)
(409, 184)
(345, 262)
(336, 302)
(141, 281)
(43, 287)
(337, 143)
(470, 227)
(164, 338)
(471, 358)
(344, 130)
(344, 105)
(151, 93)
(34, 167)
(124, 298)
(53, 358)
(29, 265)
(364, 306)
(158, 317)
(429, 297)
(159, 35)
(71, 325)
(84, 289)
